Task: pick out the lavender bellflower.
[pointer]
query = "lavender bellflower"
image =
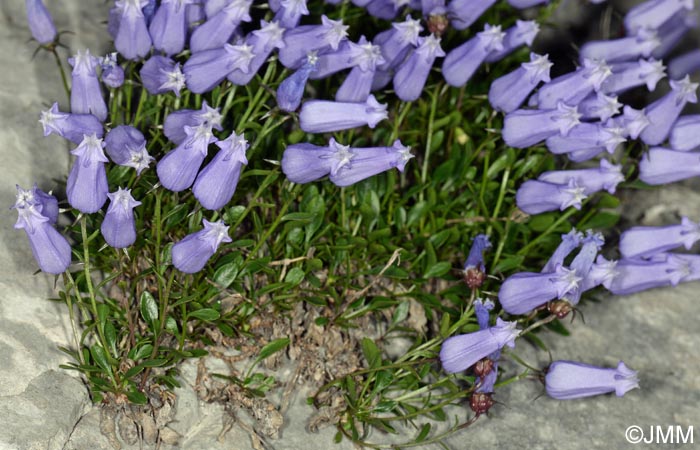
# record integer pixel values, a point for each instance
(320, 116)
(86, 187)
(460, 352)
(191, 254)
(216, 183)
(40, 22)
(70, 126)
(566, 380)
(50, 249)
(85, 95)
(118, 227)
(178, 168)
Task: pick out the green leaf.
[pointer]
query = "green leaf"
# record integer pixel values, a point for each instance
(140, 352)
(149, 309)
(438, 269)
(100, 357)
(111, 338)
(371, 352)
(298, 216)
(137, 397)
(102, 312)
(424, 431)
(227, 274)
(206, 314)
(294, 276)
(400, 313)
(272, 348)
(171, 325)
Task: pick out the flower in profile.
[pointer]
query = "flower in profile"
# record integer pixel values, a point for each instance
(525, 127)
(574, 87)
(569, 242)
(112, 74)
(320, 116)
(523, 33)
(460, 352)
(508, 92)
(40, 22)
(606, 177)
(289, 13)
(303, 39)
(586, 140)
(566, 380)
(661, 165)
(639, 45)
(525, 291)
(396, 42)
(654, 13)
(160, 74)
(216, 183)
(474, 269)
(50, 249)
(536, 196)
(85, 95)
(303, 163)
(132, 40)
(411, 75)
(44, 203)
(206, 69)
(191, 254)
(583, 262)
(168, 28)
(86, 187)
(175, 122)
(262, 41)
(218, 29)
(684, 64)
(463, 61)
(291, 89)
(463, 13)
(629, 75)
(118, 227)
(178, 168)
(370, 161)
(599, 106)
(663, 113)
(662, 269)
(685, 134)
(642, 242)
(70, 126)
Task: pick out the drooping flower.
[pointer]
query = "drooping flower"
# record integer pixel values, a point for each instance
(70, 126)
(168, 28)
(320, 116)
(664, 112)
(178, 169)
(291, 89)
(160, 74)
(40, 22)
(661, 165)
(685, 134)
(132, 40)
(50, 249)
(358, 84)
(303, 163)
(218, 29)
(587, 140)
(673, 30)
(508, 92)
(191, 254)
(525, 127)
(176, 121)
(487, 368)
(262, 41)
(460, 352)
(112, 73)
(206, 69)
(525, 291)
(684, 64)
(567, 380)
(216, 183)
(463, 61)
(86, 187)
(121, 141)
(583, 262)
(642, 242)
(46, 204)
(370, 161)
(119, 227)
(633, 120)
(474, 269)
(599, 106)
(86, 95)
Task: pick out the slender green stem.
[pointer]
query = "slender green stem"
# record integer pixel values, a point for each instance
(429, 137)
(64, 79)
(71, 313)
